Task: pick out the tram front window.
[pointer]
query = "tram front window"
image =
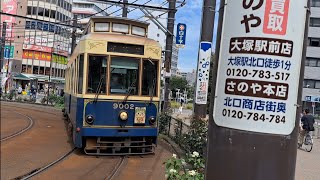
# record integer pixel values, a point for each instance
(124, 75)
(97, 74)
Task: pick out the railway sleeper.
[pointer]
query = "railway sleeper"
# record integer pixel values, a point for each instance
(118, 146)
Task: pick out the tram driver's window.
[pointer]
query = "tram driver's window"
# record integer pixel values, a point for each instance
(124, 75)
(97, 74)
(150, 78)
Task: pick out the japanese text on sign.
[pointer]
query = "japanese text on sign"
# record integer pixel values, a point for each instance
(259, 65)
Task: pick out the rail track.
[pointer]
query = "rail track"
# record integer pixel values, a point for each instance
(117, 169)
(30, 108)
(39, 170)
(31, 122)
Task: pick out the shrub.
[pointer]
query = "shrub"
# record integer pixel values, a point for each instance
(189, 106)
(175, 168)
(174, 104)
(164, 120)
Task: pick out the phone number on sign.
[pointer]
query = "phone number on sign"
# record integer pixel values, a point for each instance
(258, 73)
(253, 116)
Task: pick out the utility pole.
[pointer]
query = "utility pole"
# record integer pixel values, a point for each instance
(202, 78)
(168, 52)
(74, 30)
(3, 43)
(258, 146)
(125, 9)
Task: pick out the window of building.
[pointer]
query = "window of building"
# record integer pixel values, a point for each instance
(47, 71)
(97, 74)
(29, 10)
(315, 3)
(34, 11)
(46, 13)
(315, 22)
(28, 24)
(48, 1)
(41, 71)
(24, 68)
(40, 11)
(314, 42)
(29, 69)
(35, 69)
(54, 2)
(53, 14)
(313, 62)
(150, 78)
(310, 83)
(124, 74)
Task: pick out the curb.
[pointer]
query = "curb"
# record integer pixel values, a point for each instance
(24, 102)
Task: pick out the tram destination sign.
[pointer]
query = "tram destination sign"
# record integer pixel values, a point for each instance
(259, 66)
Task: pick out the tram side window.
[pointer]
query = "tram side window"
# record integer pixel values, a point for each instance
(150, 78)
(80, 79)
(97, 74)
(124, 74)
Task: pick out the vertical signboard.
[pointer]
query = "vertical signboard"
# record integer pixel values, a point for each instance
(259, 65)
(203, 72)
(181, 35)
(9, 6)
(8, 51)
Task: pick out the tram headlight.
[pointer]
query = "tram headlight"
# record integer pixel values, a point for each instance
(123, 115)
(152, 120)
(89, 119)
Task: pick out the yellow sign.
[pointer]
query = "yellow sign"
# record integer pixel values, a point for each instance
(140, 115)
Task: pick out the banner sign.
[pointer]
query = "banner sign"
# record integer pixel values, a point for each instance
(8, 51)
(203, 72)
(313, 99)
(37, 48)
(9, 6)
(40, 41)
(181, 35)
(36, 55)
(259, 65)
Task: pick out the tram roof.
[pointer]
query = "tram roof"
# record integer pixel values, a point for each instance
(118, 19)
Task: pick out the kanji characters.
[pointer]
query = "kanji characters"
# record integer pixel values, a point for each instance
(248, 45)
(261, 45)
(271, 106)
(269, 89)
(247, 103)
(274, 47)
(281, 107)
(275, 22)
(246, 20)
(281, 91)
(235, 45)
(286, 48)
(259, 105)
(277, 6)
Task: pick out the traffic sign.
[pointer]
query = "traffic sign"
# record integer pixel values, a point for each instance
(8, 52)
(181, 35)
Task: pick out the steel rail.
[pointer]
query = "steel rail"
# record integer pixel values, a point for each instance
(38, 171)
(20, 131)
(116, 169)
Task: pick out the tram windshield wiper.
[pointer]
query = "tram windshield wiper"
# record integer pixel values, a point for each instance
(99, 89)
(129, 92)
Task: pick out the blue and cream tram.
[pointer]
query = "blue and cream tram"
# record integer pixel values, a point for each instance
(113, 88)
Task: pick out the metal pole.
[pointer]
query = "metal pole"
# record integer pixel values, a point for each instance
(234, 154)
(168, 52)
(125, 9)
(2, 47)
(208, 13)
(74, 30)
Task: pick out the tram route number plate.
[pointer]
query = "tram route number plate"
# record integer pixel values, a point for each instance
(123, 106)
(140, 115)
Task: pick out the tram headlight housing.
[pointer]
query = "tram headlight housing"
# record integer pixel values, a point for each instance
(152, 120)
(123, 115)
(89, 119)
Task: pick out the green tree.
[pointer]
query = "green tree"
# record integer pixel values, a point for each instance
(177, 82)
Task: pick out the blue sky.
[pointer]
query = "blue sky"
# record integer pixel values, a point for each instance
(190, 14)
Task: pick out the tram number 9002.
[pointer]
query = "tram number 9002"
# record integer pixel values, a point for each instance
(123, 106)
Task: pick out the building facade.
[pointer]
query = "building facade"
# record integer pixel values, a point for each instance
(83, 9)
(311, 85)
(38, 47)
